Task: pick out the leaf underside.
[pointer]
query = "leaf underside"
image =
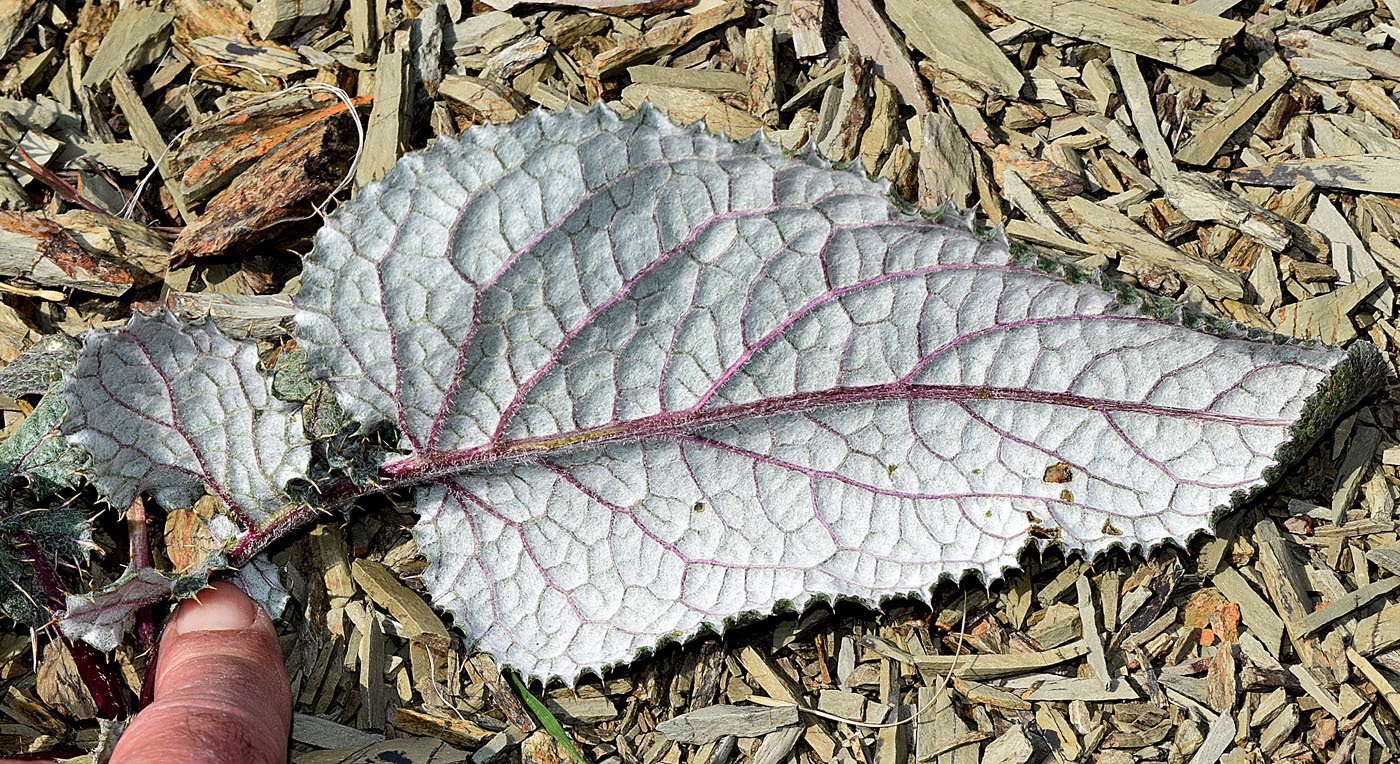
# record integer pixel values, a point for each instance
(177, 410)
(653, 380)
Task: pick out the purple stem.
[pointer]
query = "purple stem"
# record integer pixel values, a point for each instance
(141, 557)
(97, 672)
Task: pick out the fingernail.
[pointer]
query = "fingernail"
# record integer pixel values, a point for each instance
(221, 608)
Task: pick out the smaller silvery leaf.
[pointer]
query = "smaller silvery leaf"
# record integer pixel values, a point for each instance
(39, 368)
(104, 617)
(177, 410)
(261, 580)
(37, 451)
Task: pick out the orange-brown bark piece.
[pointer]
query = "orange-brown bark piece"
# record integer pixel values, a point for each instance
(280, 187)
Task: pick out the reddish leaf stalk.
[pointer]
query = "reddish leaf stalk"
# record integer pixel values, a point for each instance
(141, 558)
(97, 673)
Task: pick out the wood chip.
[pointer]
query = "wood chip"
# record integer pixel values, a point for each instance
(1203, 198)
(874, 39)
(324, 733)
(808, 19)
(144, 130)
(1374, 173)
(941, 30)
(138, 38)
(663, 37)
(714, 722)
(457, 732)
(1205, 145)
(686, 106)
(1136, 243)
(388, 123)
(1173, 34)
(946, 160)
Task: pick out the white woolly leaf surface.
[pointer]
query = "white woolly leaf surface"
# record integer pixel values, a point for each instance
(177, 410)
(657, 379)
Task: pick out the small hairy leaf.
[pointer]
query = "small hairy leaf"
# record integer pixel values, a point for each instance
(57, 532)
(177, 410)
(37, 451)
(40, 368)
(103, 618)
(656, 380)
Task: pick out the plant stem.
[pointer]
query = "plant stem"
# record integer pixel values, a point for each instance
(141, 557)
(97, 673)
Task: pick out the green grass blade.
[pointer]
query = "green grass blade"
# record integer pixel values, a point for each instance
(544, 717)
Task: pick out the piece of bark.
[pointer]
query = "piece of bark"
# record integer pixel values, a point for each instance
(42, 250)
(364, 30)
(762, 74)
(457, 732)
(872, 36)
(1347, 604)
(490, 32)
(324, 733)
(215, 152)
(17, 17)
(388, 126)
(1139, 245)
(776, 746)
(687, 106)
(882, 134)
(371, 714)
(420, 624)
(808, 20)
(1012, 747)
(1326, 317)
(273, 19)
(1373, 98)
(1378, 633)
(1090, 627)
(299, 172)
(1328, 18)
(714, 722)
(661, 39)
(1349, 255)
(945, 163)
(257, 316)
(1258, 615)
(1205, 145)
(710, 80)
(1374, 173)
(483, 100)
(1174, 34)
(1088, 689)
(1382, 63)
(267, 58)
(139, 37)
(517, 57)
(1203, 198)
(1019, 194)
(841, 141)
(942, 31)
(610, 7)
(1045, 177)
(980, 667)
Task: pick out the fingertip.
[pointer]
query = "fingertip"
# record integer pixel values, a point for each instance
(221, 693)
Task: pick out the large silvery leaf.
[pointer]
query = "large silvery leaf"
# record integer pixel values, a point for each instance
(656, 380)
(178, 410)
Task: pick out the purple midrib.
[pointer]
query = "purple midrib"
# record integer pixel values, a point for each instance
(686, 421)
